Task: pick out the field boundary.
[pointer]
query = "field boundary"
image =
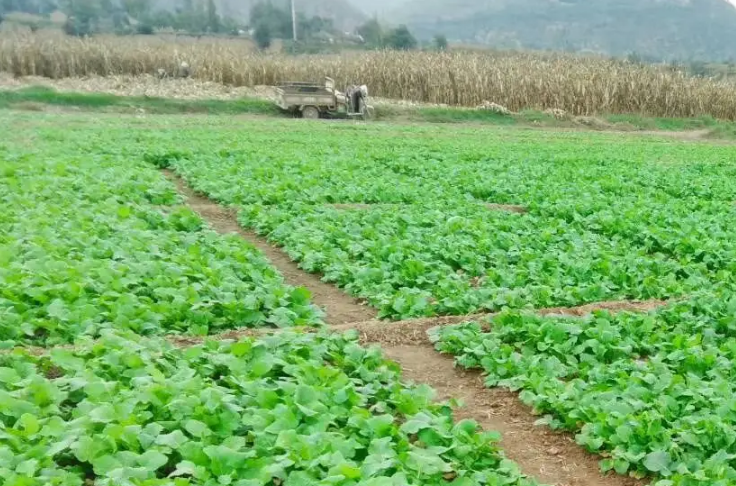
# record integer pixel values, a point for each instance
(42, 98)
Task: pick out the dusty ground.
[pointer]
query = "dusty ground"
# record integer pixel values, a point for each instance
(181, 89)
(511, 208)
(192, 89)
(552, 458)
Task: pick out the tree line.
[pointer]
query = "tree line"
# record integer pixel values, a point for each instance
(268, 21)
(86, 17)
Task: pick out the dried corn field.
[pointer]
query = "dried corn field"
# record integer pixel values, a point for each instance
(580, 86)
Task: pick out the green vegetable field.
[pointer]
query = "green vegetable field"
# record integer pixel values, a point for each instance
(141, 345)
(655, 392)
(640, 220)
(92, 241)
(292, 409)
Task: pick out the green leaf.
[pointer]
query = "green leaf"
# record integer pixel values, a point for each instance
(657, 461)
(174, 440)
(29, 424)
(152, 460)
(105, 464)
(425, 462)
(196, 428)
(9, 375)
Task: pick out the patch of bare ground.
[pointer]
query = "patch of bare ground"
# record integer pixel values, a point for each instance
(611, 306)
(509, 208)
(339, 307)
(550, 457)
(414, 331)
(408, 332)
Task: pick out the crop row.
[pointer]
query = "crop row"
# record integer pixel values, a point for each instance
(518, 80)
(653, 393)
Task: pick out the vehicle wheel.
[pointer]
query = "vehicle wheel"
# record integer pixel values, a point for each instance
(310, 112)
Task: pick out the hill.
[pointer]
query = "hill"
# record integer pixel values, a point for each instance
(664, 29)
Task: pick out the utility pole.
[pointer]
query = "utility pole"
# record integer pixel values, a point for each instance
(293, 18)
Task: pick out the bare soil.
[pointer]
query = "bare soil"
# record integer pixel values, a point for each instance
(339, 307)
(683, 135)
(611, 306)
(550, 457)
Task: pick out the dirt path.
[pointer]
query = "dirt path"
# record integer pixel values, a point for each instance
(553, 458)
(338, 306)
(550, 457)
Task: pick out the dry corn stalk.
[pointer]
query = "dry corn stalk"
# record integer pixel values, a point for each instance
(581, 86)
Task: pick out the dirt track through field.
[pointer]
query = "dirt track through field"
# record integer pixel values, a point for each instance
(550, 457)
(339, 307)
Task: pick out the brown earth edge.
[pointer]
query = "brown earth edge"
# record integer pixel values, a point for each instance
(338, 307)
(550, 457)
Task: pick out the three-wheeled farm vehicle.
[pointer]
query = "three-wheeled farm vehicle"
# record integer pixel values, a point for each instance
(312, 100)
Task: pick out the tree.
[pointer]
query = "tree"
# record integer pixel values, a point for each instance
(144, 29)
(309, 28)
(77, 27)
(82, 16)
(267, 16)
(213, 20)
(401, 39)
(138, 9)
(262, 36)
(440, 42)
(372, 33)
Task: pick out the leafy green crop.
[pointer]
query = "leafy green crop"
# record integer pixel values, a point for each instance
(97, 241)
(610, 217)
(655, 392)
(92, 241)
(291, 409)
(637, 222)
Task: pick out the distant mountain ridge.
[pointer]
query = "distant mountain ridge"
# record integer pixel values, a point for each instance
(668, 29)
